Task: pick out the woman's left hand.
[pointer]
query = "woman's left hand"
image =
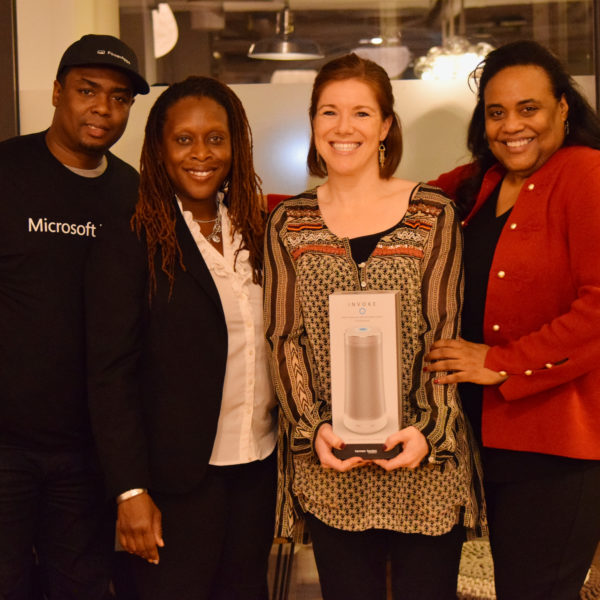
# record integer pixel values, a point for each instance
(465, 361)
(325, 442)
(414, 449)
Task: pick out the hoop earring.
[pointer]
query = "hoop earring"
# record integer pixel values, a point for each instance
(381, 154)
(567, 128)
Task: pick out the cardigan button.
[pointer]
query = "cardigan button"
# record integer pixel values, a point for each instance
(548, 365)
(502, 373)
(501, 274)
(496, 327)
(531, 187)
(363, 284)
(513, 226)
(361, 265)
(528, 372)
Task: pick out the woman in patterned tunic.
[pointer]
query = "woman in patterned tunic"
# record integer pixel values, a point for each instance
(366, 230)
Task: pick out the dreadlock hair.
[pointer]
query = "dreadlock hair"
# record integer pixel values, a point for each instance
(352, 66)
(155, 213)
(584, 124)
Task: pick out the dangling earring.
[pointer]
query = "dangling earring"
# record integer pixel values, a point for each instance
(567, 130)
(381, 155)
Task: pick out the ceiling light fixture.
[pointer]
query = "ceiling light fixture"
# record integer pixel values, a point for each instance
(164, 29)
(386, 48)
(456, 58)
(285, 46)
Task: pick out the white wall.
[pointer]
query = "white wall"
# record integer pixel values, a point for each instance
(45, 28)
(434, 119)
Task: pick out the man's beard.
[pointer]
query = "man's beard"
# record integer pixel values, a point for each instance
(97, 149)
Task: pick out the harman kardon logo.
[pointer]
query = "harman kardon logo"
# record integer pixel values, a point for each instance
(42, 225)
(119, 56)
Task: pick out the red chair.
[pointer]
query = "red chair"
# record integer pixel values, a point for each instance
(274, 199)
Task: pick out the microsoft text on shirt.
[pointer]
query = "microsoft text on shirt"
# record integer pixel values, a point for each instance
(43, 225)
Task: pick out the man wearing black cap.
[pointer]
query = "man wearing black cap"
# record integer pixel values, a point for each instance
(57, 189)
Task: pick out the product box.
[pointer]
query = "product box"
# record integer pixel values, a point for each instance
(365, 371)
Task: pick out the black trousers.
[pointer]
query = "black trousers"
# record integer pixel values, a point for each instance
(217, 537)
(543, 533)
(53, 502)
(352, 564)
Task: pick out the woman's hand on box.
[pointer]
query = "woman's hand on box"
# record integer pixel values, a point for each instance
(414, 449)
(325, 441)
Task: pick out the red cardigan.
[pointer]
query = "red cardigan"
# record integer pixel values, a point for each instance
(542, 312)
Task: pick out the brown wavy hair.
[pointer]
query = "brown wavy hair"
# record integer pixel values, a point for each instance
(155, 212)
(352, 66)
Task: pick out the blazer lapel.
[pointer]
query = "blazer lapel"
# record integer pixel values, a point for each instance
(193, 261)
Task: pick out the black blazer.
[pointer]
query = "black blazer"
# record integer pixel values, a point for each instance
(155, 369)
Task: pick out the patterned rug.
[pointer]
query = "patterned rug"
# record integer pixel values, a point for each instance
(476, 577)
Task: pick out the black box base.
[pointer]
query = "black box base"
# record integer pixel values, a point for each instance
(366, 451)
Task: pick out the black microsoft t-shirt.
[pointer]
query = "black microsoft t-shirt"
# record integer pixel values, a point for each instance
(49, 217)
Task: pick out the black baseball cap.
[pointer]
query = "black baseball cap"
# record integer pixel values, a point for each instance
(105, 50)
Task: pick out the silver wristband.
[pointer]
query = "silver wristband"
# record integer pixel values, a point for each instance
(130, 494)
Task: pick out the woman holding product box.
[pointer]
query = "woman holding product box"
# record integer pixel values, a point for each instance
(365, 230)
(532, 319)
(180, 394)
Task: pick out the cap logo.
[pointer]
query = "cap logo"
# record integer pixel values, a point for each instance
(119, 56)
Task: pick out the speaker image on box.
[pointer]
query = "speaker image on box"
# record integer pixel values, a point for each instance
(364, 408)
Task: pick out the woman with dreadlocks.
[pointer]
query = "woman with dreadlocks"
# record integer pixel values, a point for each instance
(180, 395)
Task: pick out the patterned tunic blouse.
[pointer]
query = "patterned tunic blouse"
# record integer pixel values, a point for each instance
(304, 263)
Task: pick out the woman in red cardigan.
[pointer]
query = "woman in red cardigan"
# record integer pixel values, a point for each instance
(529, 363)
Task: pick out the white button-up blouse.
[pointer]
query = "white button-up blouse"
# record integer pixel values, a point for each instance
(247, 427)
